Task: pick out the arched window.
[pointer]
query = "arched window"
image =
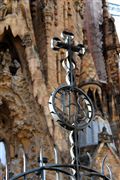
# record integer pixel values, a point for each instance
(98, 103)
(91, 96)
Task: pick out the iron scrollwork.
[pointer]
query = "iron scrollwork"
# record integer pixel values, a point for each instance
(68, 104)
(71, 107)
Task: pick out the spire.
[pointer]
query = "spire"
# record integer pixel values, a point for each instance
(88, 71)
(106, 13)
(90, 83)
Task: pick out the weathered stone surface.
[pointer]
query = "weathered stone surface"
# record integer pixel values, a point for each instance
(30, 71)
(105, 152)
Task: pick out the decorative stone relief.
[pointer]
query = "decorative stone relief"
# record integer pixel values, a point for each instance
(48, 13)
(16, 14)
(104, 136)
(7, 60)
(78, 4)
(17, 67)
(67, 9)
(65, 15)
(8, 65)
(25, 116)
(33, 5)
(55, 13)
(3, 10)
(26, 40)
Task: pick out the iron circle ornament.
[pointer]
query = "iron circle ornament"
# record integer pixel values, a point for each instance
(71, 107)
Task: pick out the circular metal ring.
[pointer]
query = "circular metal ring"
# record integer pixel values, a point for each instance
(71, 107)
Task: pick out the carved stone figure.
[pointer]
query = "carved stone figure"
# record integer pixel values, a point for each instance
(104, 136)
(26, 40)
(16, 63)
(7, 61)
(7, 65)
(17, 67)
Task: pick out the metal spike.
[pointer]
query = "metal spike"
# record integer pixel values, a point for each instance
(103, 164)
(110, 172)
(56, 160)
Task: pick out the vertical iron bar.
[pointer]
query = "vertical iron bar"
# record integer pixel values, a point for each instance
(43, 174)
(103, 165)
(24, 177)
(76, 154)
(63, 102)
(70, 54)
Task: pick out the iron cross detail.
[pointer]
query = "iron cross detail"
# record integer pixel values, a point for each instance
(69, 105)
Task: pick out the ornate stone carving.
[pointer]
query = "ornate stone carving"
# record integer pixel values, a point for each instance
(79, 7)
(3, 10)
(7, 64)
(104, 136)
(16, 63)
(67, 9)
(34, 7)
(15, 68)
(55, 13)
(26, 40)
(48, 13)
(15, 14)
(7, 59)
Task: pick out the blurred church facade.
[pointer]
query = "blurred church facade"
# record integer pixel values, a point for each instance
(30, 70)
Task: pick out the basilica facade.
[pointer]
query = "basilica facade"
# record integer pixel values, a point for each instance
(30, 71)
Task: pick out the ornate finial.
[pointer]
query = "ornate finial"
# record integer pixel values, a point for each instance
(26, 40)
(104, 136)
(88, 71)
(105, 9)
